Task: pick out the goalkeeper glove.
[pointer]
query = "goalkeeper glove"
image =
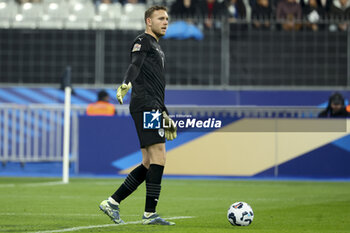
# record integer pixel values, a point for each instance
(170, 128)
(168, 135)
(122, 90)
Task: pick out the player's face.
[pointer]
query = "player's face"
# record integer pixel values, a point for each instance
(159, 22)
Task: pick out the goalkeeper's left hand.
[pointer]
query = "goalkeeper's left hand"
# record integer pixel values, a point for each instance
(170, 128)
(122, 90)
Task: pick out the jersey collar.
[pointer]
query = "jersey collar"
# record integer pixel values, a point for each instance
(149, 35)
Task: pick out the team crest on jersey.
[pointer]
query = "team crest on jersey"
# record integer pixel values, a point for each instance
(137, 47)
(161, 132)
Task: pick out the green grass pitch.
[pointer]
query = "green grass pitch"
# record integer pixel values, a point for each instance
(33, 205)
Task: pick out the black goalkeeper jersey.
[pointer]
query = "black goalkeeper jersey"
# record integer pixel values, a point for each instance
(146, 73)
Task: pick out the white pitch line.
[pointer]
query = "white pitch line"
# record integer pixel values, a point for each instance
(43, 184)
(31, 184)
(48, 214)
(60, 214)
(106, 225)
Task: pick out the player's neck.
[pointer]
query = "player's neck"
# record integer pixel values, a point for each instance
(149, 32)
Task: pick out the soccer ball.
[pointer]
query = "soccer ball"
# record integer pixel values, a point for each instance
(240, 214)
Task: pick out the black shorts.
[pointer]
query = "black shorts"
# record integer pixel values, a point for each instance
(147, 137)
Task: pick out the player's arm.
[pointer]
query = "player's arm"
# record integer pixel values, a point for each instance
(134, 68)
(138, 56)
(131, 74)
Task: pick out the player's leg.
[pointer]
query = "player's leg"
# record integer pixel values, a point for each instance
(156, 153)
(130, 184)
(133, 180)
(145, 158)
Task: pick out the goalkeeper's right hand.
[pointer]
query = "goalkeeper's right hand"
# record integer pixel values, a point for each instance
(122, 90)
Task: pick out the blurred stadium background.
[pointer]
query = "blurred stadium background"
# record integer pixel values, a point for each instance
(267, 84)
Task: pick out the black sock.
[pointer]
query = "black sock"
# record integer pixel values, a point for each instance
(153, 181)
(132, 181)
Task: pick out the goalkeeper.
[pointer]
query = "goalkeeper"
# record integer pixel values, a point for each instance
(145, 75)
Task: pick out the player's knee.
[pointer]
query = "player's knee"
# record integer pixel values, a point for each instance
(157, 154)
(160, 160)
(145, 158)
(146, 163)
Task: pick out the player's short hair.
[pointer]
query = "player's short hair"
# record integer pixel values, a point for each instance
(149, 11)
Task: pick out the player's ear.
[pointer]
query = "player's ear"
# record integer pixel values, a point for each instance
(149, 21)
